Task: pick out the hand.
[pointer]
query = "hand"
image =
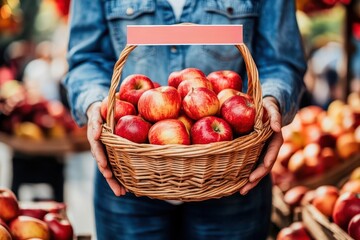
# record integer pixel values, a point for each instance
(97, 150)
(270, 104)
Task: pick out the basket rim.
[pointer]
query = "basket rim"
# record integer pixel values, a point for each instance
(257, 136)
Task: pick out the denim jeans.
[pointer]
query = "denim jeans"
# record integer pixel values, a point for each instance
(135, 218)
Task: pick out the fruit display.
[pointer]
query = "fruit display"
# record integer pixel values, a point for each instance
(319, 142)
(27, 119)
(192, 109)
(330, 207)
(36, 220)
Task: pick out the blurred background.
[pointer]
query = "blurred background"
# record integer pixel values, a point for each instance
(44, 155)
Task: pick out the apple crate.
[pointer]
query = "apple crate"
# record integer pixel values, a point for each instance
(45, 147)
(319, 225)
(185, 172)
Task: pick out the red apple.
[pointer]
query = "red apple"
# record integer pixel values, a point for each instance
(349, 121)
(225, 79)
(185, 86)
(309, 115)
(4, 233)
(159, 104)
(133, 86)
(35, 213)
(346, 207)
(133, 128)
(355, 174)
(175, 78)
(188, 122)
(351, 186)
(294, 195)
(210, 129)
(60, 227)
(328, 158)
(313, 161)
(287, 149)
(281, 176)
(354, 227)
(9, 205)
(24, 227)
(225, 94)
(200, 102)
(56, 109)
(44, 120)
(325, 198)
(293, 137)
(347, 146)
(40, 208)
(169, 131)
(335, 110)
(297, 164)
(239, 112)
(311, 133)
(296, 231)
(328, 125)
(122, 108)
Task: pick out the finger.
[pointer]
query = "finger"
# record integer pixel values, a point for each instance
(258, 173)
(93, 133)
(106, 172)
(247, 187)
(274, 114)
(117, 189)
(273, 149)
(99, 154)
(95, 128)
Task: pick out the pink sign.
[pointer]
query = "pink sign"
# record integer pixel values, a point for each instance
(184, 34)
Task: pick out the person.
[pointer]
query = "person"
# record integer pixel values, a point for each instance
(97, 37)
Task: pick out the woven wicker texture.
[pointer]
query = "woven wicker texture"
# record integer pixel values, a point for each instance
(185, 172)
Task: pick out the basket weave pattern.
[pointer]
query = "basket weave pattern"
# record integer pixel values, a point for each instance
(185, 172)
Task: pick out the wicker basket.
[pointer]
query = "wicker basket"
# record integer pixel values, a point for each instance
(185, 172)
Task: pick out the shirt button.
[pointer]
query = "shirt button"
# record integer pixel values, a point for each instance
(129, 11)
(173, 49)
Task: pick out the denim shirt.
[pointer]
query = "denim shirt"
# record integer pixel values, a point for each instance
(98, 35)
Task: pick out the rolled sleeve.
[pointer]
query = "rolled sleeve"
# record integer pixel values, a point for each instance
(279, 56)
(90, 56)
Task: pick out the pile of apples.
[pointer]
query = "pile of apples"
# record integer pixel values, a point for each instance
(32, 117)
(340, 205)
(318, 140)
(192, 109)
(39, 220)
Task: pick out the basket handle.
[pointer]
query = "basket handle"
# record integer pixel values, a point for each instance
(254, 87)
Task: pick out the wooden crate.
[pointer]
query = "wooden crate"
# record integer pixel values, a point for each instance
(47, 146)
(282, 215)
(319, 225)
